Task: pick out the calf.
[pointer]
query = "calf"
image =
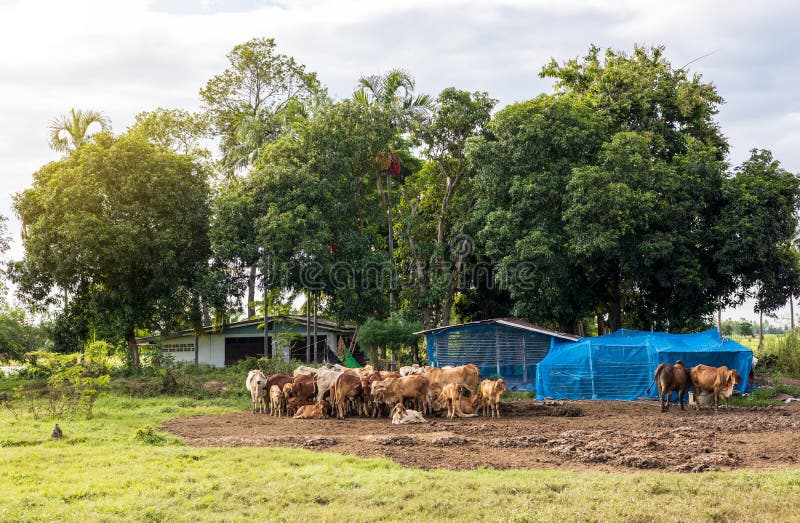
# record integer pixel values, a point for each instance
(671, 378)
(716, 381)
(277, 403)
(452, 393)
(467, 407)
(490, 396)
(402, 415)
(318, 410)
(255, 383)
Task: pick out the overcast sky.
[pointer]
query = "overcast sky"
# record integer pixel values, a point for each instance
(132, 56)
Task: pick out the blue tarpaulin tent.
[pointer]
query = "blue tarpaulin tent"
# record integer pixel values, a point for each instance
(620, 366)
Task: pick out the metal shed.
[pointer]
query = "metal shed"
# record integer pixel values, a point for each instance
(506, 348)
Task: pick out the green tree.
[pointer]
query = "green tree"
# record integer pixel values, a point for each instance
(245, 103)
(121, 224)
(613, 188)
(756, 229)
(247, 106)
(68, 132)
(523, 167)
(437, 203)
(176, 130)
(394, 92)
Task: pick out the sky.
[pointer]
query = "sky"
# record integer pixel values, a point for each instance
(126, 57)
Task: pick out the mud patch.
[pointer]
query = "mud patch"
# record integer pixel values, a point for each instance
(582, 435)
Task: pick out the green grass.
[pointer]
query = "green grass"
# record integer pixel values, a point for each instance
(118, 467)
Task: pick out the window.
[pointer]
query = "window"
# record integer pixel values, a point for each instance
(178, 347)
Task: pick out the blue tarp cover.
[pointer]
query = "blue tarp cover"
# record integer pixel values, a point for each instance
(620, 366)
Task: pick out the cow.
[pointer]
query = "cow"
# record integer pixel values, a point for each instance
(304, 386)
(277, 379)
(255, 383)
(452, 393)
(467, 375)
(277, 402)
(467, 407)
(402, 415)
(294, 403)
(490, 396)
(670, 378)
(395, 390)
(411, 369)
(716, 380)
(346, 387)
(304, 369)
(325, 378)
(318, 410)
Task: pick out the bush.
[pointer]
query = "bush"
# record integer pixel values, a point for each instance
(781, 355)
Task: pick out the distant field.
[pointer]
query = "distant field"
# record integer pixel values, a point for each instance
(115, 467)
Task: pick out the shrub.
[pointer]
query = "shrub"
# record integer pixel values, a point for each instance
(781, 355)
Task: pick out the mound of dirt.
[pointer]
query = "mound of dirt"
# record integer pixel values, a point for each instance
(320, 441)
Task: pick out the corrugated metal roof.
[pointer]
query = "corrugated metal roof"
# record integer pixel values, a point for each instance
(508, 322)
(217, 329)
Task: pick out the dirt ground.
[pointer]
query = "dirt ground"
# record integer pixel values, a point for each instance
(576, 435)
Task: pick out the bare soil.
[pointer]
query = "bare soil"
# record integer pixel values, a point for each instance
(579, 435)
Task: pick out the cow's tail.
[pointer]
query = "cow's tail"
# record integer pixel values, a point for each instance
(655, 377)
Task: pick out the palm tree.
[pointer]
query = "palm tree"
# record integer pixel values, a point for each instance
(70, 131)
(394, 91)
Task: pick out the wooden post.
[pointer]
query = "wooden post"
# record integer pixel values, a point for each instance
(316, 358)
(266, 320)
(524, 362)
(497, 350)
(308, 327)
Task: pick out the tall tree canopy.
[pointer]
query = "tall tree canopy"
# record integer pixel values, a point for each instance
(609, 196)
(121, 225)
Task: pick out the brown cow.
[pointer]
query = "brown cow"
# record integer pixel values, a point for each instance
(304, 386)
(346, 387)
(467, 375)
(467, 408)
(395, 390)
(318, 410)
(670, 378)
(716, 380)
(452, 393)
(490, 396)
(294, 403)
(278, 379)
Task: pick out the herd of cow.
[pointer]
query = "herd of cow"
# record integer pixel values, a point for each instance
(405, 396)
(413, 392)
(717, 381)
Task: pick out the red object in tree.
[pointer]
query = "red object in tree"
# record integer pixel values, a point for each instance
(394, 167)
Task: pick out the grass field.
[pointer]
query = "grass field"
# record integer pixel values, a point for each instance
(116, 467)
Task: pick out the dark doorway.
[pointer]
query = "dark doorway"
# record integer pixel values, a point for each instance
(239, 348)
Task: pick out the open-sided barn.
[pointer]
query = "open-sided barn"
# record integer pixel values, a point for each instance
(620, 365)
(501, 347)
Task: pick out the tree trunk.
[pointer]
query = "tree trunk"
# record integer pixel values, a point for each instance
(601, 324)
(615, 306)
(251, 293)
(133, 349)
(760, 329)
(791, 311)
(206, 315)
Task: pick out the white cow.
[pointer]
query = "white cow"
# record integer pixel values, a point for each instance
(402, 415)
(255, 383)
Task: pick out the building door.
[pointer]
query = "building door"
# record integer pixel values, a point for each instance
(239, 348)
